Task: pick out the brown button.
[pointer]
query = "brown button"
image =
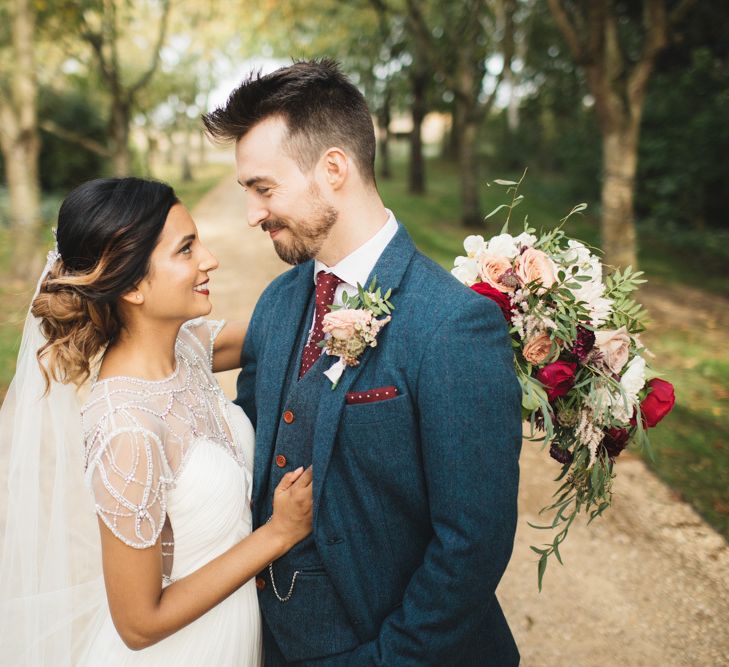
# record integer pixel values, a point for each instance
(260, 583)
(288, 417)
(281, 461)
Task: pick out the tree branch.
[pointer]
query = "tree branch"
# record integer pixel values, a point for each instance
(568, 30)
(678, 13)
(144, 79)
(68, 135)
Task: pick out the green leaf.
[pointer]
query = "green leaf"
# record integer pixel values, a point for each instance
(541, 569)
(496, 210)
(387, 294)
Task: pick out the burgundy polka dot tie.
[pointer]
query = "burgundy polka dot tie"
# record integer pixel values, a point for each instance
(326, 286)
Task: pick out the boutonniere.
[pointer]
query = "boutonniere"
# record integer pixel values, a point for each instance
(353, 327)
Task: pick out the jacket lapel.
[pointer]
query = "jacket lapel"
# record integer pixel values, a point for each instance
(286, 323)
(389, 271)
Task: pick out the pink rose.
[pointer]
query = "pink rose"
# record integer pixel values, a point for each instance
(537, 348)
(534, 265)
(493, 270)
(615, 346)
(558, 378)
(340, 323)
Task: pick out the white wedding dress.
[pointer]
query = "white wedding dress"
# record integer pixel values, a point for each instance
(174, 458)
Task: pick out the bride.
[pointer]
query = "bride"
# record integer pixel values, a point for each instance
(119, 314)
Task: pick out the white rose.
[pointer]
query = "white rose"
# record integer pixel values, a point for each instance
(633, 379)
(466, 270)
(525, 240)
(502, 246)
(473, 245)
(577, 253)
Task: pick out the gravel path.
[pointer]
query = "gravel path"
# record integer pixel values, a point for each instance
(647, 584)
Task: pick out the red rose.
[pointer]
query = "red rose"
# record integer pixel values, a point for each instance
(502, 300)
(615, 441)
(658, 403)
(557, 377)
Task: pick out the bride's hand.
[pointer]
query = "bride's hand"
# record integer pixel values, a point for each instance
(292, 505)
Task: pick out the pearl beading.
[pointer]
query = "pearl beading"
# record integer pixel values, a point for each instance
(139, 435)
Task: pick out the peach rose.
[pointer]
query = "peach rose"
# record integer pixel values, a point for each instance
(537, 348)
(615, 347)
(534, 265)
(492, 268)
(340, 323)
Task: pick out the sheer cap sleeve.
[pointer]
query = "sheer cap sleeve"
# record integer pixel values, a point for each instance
(128, 475)
(199, 335)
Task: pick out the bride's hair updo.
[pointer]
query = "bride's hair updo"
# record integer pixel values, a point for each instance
(107, 230)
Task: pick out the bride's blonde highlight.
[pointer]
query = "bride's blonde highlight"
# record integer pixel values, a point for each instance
(77, 327)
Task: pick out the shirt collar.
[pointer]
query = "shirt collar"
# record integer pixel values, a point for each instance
(357, 266)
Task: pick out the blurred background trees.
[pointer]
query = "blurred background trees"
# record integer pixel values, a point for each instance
(612, 101)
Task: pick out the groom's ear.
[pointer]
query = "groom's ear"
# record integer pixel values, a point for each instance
(336, 167)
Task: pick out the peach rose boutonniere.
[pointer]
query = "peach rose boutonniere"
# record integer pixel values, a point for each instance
(353, 327)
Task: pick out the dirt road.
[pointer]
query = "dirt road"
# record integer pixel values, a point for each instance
(647, 584)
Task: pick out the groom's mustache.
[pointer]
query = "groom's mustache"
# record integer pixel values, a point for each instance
(272, 225)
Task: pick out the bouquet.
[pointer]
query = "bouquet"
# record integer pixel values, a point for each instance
(587, 390)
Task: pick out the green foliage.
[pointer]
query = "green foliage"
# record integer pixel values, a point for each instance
(65, 164)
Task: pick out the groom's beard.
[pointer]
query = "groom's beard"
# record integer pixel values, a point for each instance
(305, 237)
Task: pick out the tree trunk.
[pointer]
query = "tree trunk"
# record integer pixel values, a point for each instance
(20, 144)
(202, 149)
(186, 173)
(121, 159)
(468, 171)
(451, 139)
(21, 172)
(416, 174)
(620, 158)
(383, 136)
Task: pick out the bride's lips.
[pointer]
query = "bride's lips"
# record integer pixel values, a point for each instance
(202, 288)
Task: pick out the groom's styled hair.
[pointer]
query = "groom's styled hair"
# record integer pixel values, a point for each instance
(320, 105)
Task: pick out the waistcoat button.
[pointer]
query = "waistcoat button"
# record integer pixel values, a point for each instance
(260, 583)
(281, 461)
(288, 417)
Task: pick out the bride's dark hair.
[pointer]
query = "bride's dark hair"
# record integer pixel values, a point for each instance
(107, 230)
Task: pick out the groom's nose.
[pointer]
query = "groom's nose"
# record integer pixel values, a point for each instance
(256, 213)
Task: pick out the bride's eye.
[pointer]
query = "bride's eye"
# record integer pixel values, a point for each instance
(186, 249)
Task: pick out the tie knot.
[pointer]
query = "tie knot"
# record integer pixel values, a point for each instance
(326, 284)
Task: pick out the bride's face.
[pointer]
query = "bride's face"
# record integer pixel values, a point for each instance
(176, 287)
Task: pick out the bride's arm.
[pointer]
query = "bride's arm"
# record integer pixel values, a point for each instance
(228, 346)
(144, 613)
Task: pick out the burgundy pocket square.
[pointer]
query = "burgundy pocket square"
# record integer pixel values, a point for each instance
(371, 395)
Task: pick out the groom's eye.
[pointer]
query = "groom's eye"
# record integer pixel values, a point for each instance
(263, 191)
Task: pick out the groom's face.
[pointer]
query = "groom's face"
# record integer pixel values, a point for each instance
(285, 202)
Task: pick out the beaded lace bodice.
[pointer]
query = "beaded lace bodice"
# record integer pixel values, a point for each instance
(139, 435)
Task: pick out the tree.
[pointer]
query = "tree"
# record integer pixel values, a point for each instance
(19, 138)
(458, 39)
(104, 29)
(617, 51)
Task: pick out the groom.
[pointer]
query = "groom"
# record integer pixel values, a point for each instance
(415, 452)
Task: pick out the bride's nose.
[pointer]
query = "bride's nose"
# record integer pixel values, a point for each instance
(209, 262)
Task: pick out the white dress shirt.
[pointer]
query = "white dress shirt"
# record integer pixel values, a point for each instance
(357, 266)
